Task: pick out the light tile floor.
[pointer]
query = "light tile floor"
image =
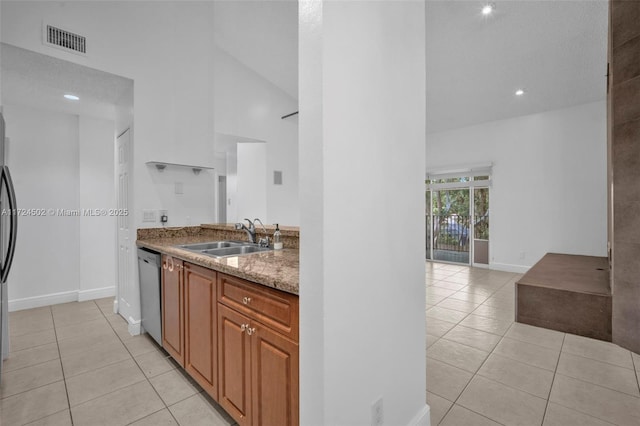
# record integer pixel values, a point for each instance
(77, 364)
(484, 369)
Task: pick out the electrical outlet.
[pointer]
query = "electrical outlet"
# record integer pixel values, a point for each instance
(148, 215)
(164, 216)
(377, 413)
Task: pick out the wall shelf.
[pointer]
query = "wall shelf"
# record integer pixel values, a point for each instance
(161, 165)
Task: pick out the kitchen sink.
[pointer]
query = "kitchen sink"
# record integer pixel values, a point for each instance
(235, 251)
(212, 245)
(224, 248)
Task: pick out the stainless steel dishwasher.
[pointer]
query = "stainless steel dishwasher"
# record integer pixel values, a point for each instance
(150, 290)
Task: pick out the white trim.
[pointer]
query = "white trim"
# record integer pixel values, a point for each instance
(422, 418)
(62, 297)
(96, 293)
(521, 269)
(134, 327)
(461, 185)
(480, 169)
(45, 300)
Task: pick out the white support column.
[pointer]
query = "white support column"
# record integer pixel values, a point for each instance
(362, 167)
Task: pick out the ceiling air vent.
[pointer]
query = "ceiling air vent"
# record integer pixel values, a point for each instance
(63, 39)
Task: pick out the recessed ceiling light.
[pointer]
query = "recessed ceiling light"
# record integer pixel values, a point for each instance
(488, 9)
(519, 92)
(72, 97)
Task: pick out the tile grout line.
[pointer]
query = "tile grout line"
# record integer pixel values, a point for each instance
(476, 372)
(166, 407)
(137, 365)
(64, 377)
(635, 369)
(467, 385)
(604, 362)
(555, 372)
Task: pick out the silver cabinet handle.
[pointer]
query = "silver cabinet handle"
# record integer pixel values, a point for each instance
(250, 331)
(246, 300)
(243, 327)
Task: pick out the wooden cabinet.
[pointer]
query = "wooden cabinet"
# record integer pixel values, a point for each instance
(276, 309)
(234, 364)
(200, 319)
(257, 355)
(173, 308)
(274, 378)
(237, 339)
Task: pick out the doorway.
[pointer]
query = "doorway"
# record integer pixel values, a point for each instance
(457, 220)
(450, 225)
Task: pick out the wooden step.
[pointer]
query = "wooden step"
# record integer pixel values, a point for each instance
(568, 293)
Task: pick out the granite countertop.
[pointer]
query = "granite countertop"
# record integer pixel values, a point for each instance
(277, 269)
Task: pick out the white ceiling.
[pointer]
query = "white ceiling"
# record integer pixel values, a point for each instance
(555, 50)
(40, 81)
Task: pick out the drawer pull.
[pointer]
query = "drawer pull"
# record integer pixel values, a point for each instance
(250, 331)
(243, 327)
(246, 300)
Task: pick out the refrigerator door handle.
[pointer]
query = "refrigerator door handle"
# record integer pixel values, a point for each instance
(5, 180)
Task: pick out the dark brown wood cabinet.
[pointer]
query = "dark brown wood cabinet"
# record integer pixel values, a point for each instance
(173, 308)
(200, 319)
(257, 355)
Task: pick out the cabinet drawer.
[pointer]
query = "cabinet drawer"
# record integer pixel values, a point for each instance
(273, 308)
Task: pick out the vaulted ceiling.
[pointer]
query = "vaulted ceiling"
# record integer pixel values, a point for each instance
(555, 50)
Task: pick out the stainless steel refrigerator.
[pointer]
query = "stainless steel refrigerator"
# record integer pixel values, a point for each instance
(8, 234)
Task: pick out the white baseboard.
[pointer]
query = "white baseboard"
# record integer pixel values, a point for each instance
(96, 293)
(135, 327)
(423, 418)
(520, 269)
(57, 298)
(45, 300)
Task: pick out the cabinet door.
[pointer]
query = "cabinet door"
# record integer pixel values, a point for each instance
(234, 364)
(200, 317)
(172, 308)
(274, 381)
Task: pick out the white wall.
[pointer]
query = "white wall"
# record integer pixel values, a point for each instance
(362, 130)
(167, 48)
(43, 158)
(548, 190)
(232, 185)
(249, 106)
(97, 191)
(196, 203)
(160, 46)
(251, 189)
(61, 161)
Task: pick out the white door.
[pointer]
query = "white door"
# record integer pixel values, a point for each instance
(127, 297)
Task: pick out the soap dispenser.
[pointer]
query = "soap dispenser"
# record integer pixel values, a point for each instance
(277, 241)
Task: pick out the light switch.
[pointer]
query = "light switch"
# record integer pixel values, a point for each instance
(179, 188)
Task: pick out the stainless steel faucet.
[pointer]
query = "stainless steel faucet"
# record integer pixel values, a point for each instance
(251, 230)
(264, 242)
